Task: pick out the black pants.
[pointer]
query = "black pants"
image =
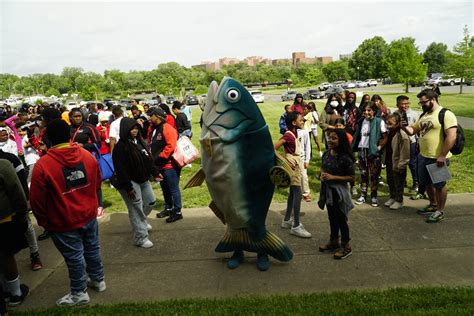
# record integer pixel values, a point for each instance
(337, 220)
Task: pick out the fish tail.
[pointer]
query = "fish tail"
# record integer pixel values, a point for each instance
(270, 244)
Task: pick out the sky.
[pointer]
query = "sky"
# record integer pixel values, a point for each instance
(44, 36)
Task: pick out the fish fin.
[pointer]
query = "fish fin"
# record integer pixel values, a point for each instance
(196, 180)
(270, 244)
(217, 212)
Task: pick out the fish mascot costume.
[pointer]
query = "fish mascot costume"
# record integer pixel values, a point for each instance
(237, 159)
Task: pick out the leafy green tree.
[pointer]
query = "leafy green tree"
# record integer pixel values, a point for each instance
(461, 61)
(436, 57)
(367, 58)
(71, 74)
(336, 70)
(404, 63)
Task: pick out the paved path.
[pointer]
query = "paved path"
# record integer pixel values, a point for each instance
(390, 249)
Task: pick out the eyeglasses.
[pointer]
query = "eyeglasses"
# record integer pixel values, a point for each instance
(423, 102)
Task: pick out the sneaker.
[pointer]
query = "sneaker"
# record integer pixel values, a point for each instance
(174, 217)
(44, 235)
(396, 205)
(262, 262)
(343, 253)
(164, 213)
(145, 243)
(35, 261)
(307, 198)
(427, 210)
(360, 200)
(332, 245)
(73, 299)
(414, 189)
(287, 224)
(300, 231)
(236, 259)
(99, 286)
(354, 190)
(418, 196)
(100, 212)
(149, 227)
(436, 217)
(15, 300)
(374, 202)
(389, 202)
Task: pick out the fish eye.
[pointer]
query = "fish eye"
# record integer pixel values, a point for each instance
(232, 95)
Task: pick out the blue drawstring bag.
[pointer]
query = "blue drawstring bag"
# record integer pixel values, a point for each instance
(106, 164)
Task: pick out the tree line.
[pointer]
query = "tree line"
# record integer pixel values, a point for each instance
(401, 60)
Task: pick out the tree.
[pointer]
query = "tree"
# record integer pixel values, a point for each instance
(367, 58)
(404, 63)
(71, 73)
(461, 61)
(436, 57)
(336, 70)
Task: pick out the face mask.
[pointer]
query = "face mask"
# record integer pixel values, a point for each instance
(334, 104)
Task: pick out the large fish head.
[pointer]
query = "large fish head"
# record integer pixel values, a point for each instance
(230, 111)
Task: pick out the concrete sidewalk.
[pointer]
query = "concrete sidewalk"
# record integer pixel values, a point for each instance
(390, 249)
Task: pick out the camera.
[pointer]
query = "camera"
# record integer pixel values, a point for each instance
(29, 125)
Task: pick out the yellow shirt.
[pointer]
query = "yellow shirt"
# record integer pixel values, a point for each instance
(431, 135)
(307, 124)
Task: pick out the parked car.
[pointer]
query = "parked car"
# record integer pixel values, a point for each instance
(349, 85)
(170, 99)
(361, 84)
(450, 80)
(324, 86)
(312, 94)
(339, 83)
(288, 95)
(387, 81)
(434, 80)
(257, 96)
(371, 82)
(191, 100)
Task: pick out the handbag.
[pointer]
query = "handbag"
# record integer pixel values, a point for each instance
(185, 152)
(106, 164)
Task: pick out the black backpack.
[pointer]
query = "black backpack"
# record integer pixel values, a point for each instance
(458, 146)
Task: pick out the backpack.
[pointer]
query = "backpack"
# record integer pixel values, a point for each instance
(458, 146)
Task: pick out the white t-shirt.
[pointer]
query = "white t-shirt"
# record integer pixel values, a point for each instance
(315, 118)
(31, 154)
(9, 147)
(303, 137)
(365, 133)
(115, 129)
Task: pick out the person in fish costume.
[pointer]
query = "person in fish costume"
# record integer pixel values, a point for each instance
(237, 156)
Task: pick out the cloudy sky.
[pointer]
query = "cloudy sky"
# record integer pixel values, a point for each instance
(40, 36)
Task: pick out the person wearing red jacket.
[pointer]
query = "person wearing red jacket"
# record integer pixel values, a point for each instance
(163, 140)
(63, 197)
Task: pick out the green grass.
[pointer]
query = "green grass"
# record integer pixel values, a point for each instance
(399, 301)
(463, 174)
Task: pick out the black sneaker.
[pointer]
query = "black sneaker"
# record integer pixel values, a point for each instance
(164, 213)
(17, 300)
(44, 235)
(174, 217)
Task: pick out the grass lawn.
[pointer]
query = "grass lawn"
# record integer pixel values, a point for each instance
(463, 174)
(414, 301)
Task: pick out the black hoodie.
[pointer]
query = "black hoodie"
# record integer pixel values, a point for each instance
(132, 160)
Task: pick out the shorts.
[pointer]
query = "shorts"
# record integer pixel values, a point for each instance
(423, 175)
(12, 235)
(314, 131)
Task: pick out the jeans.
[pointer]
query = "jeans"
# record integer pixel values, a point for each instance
(139, 208)
(337, 220)
(423, 174)
(171, 191)
(81, 251)
(414, 162)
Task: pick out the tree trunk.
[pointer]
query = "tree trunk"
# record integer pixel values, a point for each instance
(406, 87)
(460, 85)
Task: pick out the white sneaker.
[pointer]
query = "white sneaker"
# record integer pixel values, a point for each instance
(300, 231)
(287, 224)
(148, 227)
(146, 243)
(73, 299)
(360, 200)
(99, 286)
(354, 190)
(389, 202)
(396, 205)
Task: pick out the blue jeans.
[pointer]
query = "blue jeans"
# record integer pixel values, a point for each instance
(423, 174)
(170, 187)
(413, 165)
(139, 209)
(81, 251)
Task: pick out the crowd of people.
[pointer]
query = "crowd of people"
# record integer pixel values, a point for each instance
(370, 136)
(48, 162)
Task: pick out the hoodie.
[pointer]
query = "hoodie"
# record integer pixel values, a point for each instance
(63, 192)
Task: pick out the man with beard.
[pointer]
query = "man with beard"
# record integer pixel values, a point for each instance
(435, 144)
